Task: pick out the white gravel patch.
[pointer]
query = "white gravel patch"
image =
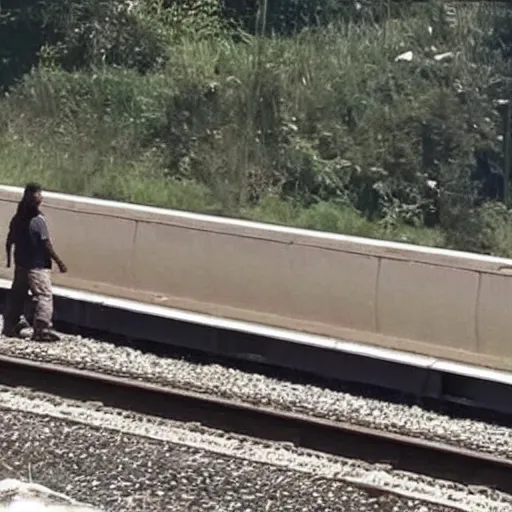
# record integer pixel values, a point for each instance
(213, 379)
(410, 487)
(18, 496)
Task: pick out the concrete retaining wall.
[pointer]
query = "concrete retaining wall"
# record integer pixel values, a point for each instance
(434, 302)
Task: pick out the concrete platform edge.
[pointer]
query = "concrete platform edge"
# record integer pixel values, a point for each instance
(337, 359)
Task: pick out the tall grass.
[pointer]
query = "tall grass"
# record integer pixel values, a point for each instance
(324, 129)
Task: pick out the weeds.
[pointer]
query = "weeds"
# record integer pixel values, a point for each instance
(324, 129)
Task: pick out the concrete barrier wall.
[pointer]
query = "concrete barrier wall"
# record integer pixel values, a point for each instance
(435, 302)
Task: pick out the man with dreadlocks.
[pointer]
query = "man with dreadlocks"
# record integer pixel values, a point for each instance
(33, 255)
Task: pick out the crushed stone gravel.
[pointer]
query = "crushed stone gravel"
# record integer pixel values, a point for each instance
(127, 462)
(214, 379)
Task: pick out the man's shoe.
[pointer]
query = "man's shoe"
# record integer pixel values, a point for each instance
(23, 324)
(18, 330)
(45, 335)
(26, 333)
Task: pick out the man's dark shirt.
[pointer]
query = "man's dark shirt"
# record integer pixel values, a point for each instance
(29, 243)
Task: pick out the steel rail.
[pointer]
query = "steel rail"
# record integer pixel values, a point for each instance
(398, 451)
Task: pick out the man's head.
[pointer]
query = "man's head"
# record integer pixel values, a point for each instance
(28, 207)
(33, 194)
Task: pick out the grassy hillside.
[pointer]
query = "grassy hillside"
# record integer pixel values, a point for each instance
(323, 128)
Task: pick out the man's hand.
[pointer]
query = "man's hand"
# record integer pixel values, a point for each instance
(54, 257)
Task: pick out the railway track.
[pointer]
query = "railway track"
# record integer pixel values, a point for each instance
(398, 451)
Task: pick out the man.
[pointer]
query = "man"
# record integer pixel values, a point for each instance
(33, 255)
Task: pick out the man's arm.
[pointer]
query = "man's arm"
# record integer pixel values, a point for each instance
(54, 256)
(41, 228)
(9, 243)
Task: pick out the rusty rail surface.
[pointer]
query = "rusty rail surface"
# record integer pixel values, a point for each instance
(398, 451)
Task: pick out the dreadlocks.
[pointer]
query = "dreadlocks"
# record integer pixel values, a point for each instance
(28, 207)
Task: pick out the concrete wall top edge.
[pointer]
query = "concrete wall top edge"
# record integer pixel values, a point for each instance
(271, 232)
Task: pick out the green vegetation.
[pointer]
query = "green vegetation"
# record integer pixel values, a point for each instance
(293, 115)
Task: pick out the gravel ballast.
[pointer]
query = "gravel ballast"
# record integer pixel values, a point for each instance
(230, 383)
(122, 461)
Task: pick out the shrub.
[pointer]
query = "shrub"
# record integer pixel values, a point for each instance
(321, 129)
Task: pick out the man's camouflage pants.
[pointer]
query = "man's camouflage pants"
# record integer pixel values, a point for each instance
(38, 281)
